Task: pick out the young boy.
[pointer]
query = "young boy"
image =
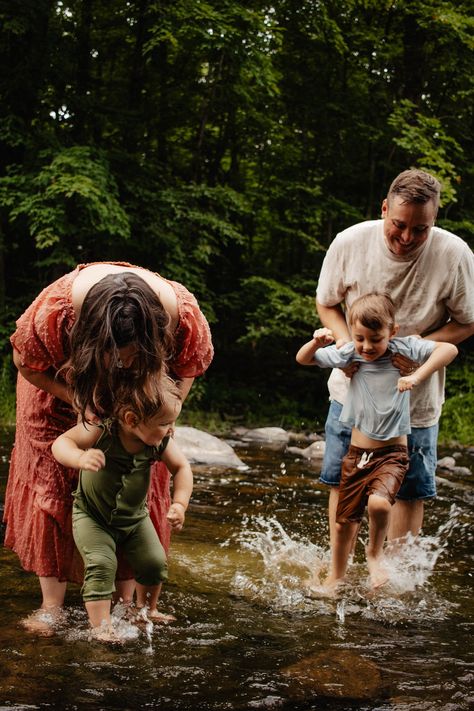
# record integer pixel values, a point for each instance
(377, 410)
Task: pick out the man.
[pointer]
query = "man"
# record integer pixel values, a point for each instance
(429, 273)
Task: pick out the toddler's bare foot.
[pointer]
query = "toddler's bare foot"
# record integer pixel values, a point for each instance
(378, 573)
(106, 634)
(42, 622)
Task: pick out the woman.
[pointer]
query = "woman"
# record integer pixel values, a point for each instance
(74, 321)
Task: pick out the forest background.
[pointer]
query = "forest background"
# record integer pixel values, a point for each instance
(224, 144)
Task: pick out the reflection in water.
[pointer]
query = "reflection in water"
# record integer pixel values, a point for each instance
(247, 635)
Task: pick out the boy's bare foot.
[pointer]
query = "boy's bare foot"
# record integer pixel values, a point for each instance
(378, 573)
(328, 589)
(106, 634)
(42, 622)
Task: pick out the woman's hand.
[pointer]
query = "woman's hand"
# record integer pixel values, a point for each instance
(92, 460)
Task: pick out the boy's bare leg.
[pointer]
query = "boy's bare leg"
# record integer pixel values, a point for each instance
(378, 509)
(41, 621)
(344, 534)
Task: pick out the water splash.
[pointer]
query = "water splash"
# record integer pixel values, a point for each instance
(289, 562)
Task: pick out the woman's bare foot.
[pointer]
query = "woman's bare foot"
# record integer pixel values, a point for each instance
(378, 573)
(43, 621)
(106, 634)
(160, 618)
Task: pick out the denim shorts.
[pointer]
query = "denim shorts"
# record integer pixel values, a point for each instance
(419, 482)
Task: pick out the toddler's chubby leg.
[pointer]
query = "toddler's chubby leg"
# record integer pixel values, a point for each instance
(379, 515)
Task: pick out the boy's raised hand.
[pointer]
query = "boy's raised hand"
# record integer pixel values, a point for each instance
(407, 383)
(323, 337)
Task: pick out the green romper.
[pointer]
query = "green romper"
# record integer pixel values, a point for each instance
(110, 510)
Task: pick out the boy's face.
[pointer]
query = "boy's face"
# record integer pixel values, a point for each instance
(152, 431)
(371, 344)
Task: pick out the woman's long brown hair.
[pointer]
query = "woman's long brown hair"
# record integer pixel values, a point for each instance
(119, 310)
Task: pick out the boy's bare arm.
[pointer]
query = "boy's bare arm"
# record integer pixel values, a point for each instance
(321, 337)
(182, 474)
(442, 355)
(74, 448)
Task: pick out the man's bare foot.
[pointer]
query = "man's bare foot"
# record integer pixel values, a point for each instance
(42, 622)
(106, 634)
(378, 573)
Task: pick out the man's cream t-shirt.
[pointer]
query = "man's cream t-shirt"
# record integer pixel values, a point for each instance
(429, 287)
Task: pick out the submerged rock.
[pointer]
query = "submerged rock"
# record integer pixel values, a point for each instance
(446, 463)
(314, 451)
(266, 434)
(334, 673)
(203, 448)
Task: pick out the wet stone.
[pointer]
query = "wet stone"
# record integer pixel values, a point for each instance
(340, 674)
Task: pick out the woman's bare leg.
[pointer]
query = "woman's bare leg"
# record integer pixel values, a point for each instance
(42, 621)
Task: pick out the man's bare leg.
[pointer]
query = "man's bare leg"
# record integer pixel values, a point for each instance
(406, 517)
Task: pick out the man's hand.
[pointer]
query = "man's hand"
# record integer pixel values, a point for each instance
(405, 365)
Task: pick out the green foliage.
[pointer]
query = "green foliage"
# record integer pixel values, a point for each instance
(427, 145)
(7, 392)
(224, 144)
(70, 196)
(456, 424)
(275, 312)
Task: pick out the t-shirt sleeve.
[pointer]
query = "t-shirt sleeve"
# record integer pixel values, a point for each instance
(460, 303)
(331, 289)
(332, 357)
(417, 349)
(42, 334)
(193, 349)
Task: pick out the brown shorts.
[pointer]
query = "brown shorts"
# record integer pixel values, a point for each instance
(369, 471)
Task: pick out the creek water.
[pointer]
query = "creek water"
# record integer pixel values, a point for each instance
(247, 636)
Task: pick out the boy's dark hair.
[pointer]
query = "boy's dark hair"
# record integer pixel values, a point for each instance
(415, 186)
(119, 310)
(374, 311)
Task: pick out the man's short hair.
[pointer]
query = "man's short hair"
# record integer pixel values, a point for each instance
(415, 186)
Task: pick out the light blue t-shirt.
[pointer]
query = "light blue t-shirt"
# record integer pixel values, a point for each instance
(374, 404)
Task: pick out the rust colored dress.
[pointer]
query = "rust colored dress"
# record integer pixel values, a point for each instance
(38, 500)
